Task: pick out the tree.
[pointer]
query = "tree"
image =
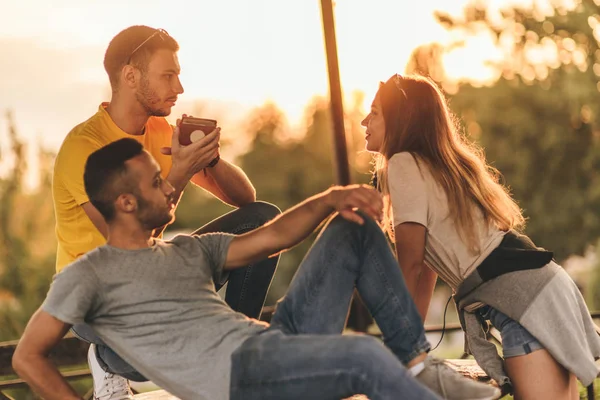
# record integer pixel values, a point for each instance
(27, 241)
(285, 171)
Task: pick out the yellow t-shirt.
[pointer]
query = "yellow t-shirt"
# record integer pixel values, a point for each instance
(75, 232)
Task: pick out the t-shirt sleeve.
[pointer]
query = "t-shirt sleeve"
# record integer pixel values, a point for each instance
(407, 188)
(70, 166)
(72, 294)
(215, 247)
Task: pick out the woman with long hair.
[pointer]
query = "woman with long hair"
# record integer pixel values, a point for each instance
(449, 216)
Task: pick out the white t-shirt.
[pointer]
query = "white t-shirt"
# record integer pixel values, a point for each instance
(417, 197)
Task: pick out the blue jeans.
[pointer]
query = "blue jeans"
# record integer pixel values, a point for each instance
(303, 356)
(516, 340)
(246, 290)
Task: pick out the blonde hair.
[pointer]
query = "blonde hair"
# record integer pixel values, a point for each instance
(418, 121)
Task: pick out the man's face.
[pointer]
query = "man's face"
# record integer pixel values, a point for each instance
(159, 85)
(155, 203)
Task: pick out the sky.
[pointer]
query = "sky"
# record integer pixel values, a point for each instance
(235, 55)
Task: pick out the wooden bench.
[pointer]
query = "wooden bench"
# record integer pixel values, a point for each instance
(162, 395)
(72, 352)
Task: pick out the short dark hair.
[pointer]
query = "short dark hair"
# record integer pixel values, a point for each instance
(121, 47)
(105, 173)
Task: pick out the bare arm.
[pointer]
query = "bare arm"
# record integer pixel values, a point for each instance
(294, 225)
(31, 361)
(96, 218)
(227, 182)
(410, 250)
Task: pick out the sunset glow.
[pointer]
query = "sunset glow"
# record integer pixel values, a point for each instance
(235, 55)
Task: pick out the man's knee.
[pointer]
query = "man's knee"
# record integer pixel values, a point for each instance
(261, 211)
(368, 227)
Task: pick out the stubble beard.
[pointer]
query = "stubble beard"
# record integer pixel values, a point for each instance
(147, 97)
(150, 216)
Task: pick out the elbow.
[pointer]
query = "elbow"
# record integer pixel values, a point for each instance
(248, 198)
(19, 362)
(251, 197)
(25, 361)
(411, 267)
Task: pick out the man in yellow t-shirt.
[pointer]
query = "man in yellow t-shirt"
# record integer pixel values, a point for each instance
(143, 69)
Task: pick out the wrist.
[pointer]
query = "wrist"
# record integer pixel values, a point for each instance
(214, 161)
(178, 177)
(329, 198)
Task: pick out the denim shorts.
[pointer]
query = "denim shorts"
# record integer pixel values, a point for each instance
(516, 340)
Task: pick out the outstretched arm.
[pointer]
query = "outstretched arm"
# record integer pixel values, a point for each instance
(294, 225)
(31, 361)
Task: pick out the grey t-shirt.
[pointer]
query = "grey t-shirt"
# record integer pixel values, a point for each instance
(158, 309)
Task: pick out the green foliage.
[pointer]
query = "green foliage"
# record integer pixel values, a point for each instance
(549, 163)
(27, 241)
(286, 173)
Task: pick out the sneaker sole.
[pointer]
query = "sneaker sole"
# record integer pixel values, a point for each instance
(495, 396)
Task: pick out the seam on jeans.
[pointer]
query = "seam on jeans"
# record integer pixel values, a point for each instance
(518, 351)
(244, 289)
(321, 271)
(243, 229)
(405, 321)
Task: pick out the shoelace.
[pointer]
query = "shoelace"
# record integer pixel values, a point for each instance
(119, 386)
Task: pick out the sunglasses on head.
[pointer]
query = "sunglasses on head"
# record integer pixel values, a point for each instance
(398, 82)
(161, 33)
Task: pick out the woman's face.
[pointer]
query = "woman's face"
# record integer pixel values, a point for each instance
(375, 125)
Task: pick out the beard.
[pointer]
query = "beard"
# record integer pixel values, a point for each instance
(153, 217)
(147, 97)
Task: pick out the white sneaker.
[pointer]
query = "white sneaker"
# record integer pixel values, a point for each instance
(107, 386)
(451, 385)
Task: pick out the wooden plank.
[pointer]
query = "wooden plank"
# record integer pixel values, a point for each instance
(470, 369)
(69, 351)
(155, 395)
(163, 395)
(16, 383)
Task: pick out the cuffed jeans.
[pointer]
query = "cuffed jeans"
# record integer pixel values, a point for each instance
(303, 356)
(246, 290)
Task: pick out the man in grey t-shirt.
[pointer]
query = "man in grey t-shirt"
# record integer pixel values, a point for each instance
(154, 302)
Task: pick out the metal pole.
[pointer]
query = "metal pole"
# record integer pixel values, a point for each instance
(359, 317)
(335, 93)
